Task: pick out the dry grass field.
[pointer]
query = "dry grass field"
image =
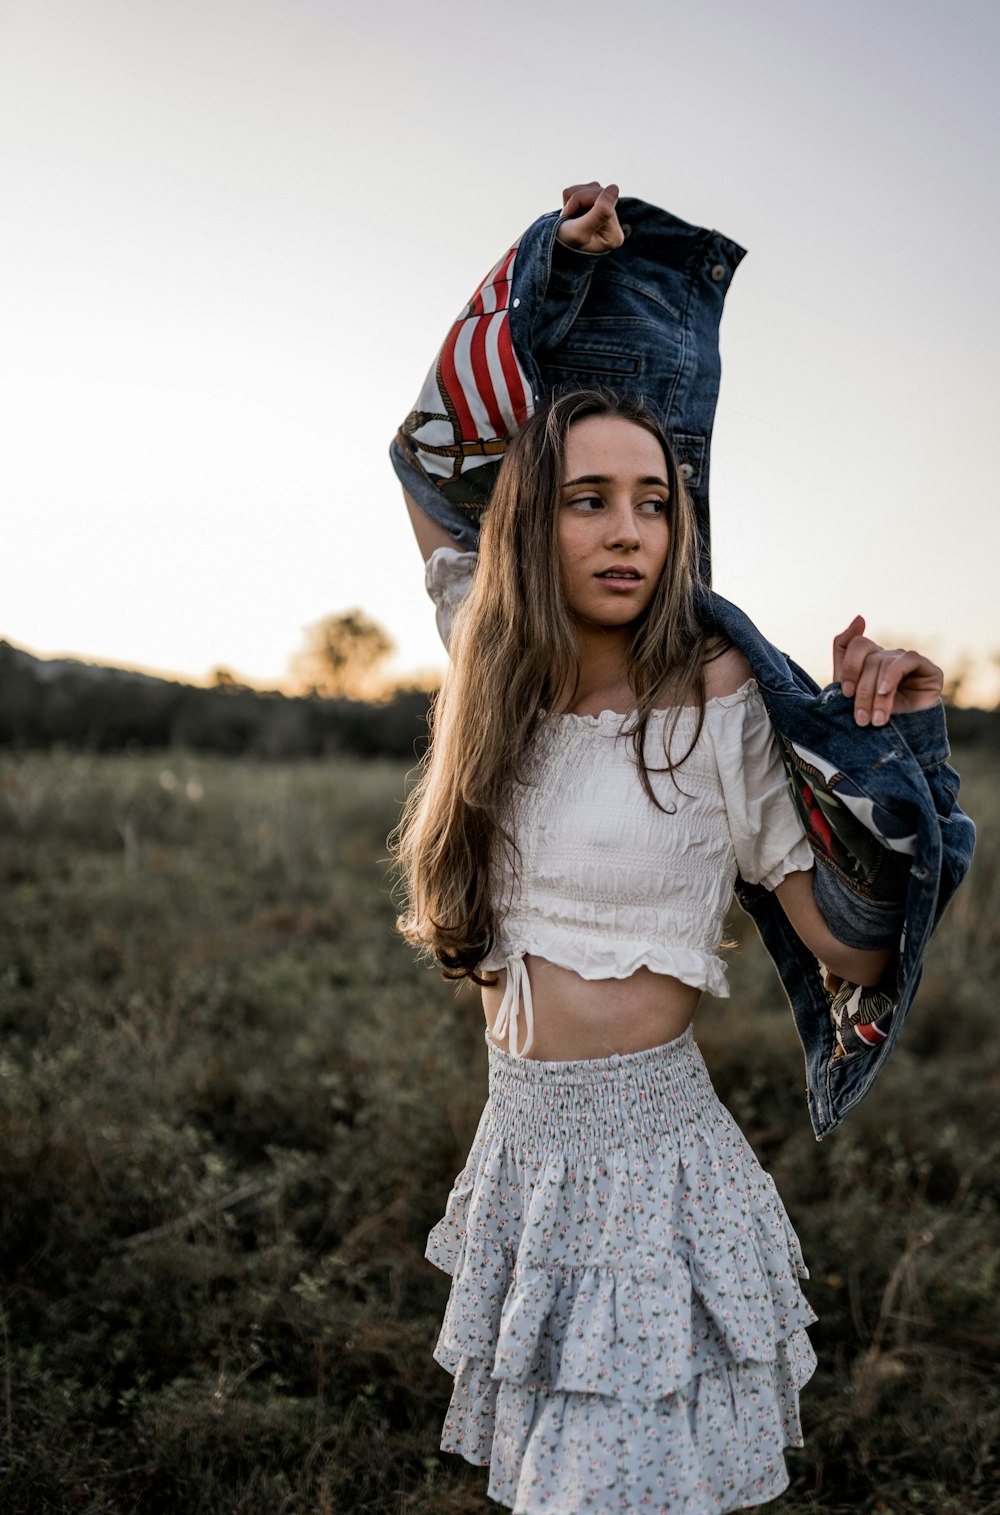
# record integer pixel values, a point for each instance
(231, 1106)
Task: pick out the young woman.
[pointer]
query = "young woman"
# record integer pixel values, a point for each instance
(625, 1327)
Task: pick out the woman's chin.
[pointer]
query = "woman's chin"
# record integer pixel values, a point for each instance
(607, 617)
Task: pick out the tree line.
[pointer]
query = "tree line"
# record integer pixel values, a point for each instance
(341, 703)
(44, 702)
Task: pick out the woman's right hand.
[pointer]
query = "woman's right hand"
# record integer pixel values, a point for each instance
(598, 229)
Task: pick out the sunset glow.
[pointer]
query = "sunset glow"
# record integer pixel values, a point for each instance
(236, 234)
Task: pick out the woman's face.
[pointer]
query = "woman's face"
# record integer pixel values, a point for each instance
(612, 530)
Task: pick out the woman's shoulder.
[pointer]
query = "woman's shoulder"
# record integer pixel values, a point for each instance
(726, 670)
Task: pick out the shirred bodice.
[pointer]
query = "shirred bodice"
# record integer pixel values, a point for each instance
(607, 882)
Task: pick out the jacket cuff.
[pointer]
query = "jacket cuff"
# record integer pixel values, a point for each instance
(457, 522)
(569, 273)
(573, 260)
(925, 732)
(855, 921)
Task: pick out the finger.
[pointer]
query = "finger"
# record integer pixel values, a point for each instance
(597, 204)
(885, 672)
(592, 187)
(840, 644)
(597, 230)
(606, 202)
(578, 195)
(916, 670)
(906, 676)
(599, 227)
(853, 668)
(870, 675)
(895, 666)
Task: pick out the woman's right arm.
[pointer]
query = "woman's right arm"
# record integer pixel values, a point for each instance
(430, 536)
(448, 578)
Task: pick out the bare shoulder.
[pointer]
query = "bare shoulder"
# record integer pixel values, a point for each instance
(726, 670)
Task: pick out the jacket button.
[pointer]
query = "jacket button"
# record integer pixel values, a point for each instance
(685, 470)
(718, 272)
(516, 303)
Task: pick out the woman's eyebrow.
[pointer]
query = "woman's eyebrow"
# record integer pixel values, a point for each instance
(605, 478)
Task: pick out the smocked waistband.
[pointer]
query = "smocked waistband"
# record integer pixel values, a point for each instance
(591, 1104)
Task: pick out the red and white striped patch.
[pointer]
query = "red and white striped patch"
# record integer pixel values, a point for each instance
(478, 369)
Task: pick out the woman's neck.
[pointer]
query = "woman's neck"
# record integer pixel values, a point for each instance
(603, 680)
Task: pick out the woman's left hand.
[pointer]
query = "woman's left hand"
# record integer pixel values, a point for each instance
(884, 681)
(590, 222)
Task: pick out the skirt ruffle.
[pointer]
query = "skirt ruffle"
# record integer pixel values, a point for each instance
(625, 1326)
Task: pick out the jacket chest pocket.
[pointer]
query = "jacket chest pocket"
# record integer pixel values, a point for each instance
(583, 366)
(630, 351)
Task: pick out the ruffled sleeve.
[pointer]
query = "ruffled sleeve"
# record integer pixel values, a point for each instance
(768, 835)
(448, 577)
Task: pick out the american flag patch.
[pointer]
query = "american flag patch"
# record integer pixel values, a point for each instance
(476, 395)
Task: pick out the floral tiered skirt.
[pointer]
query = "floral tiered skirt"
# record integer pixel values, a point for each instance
(625, 1326)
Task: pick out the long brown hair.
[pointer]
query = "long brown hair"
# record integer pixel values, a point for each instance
(513, 653)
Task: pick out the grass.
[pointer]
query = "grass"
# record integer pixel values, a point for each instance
(231, 1107)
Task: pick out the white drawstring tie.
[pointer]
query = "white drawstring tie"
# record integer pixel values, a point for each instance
(518, 991)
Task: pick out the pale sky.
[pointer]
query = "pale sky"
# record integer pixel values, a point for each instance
(236, 231)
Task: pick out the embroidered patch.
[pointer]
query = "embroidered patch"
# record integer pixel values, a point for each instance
(474, 398)
(866, 845)
(856, 1012)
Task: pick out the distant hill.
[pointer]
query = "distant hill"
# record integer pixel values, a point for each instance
(94, 706)
(51, 668)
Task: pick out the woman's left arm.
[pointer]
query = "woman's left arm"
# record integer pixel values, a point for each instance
(883, 682)
(859, 965)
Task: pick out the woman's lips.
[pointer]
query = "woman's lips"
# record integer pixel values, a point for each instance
(619, 580)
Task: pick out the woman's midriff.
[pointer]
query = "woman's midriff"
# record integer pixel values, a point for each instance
(577, 1017)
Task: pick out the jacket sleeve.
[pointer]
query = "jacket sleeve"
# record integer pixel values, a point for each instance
(857, 922)
(926, 735)
(483, 384)
(869, 923)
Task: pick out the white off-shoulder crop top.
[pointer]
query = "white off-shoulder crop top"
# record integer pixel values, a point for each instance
(606, 882)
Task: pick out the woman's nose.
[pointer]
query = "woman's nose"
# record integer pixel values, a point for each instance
(622, 530)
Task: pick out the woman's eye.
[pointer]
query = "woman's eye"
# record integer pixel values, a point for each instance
(587, 502)
(653, 507)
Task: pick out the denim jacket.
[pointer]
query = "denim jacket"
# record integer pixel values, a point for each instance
(643, 318)
(879, 803)
(890, 846)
